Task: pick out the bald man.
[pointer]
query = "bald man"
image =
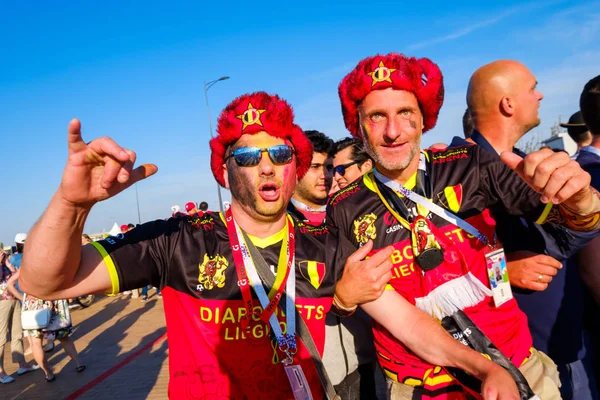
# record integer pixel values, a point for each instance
(503, 98)
(503, 101)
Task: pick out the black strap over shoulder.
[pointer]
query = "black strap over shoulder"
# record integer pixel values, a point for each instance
(268, 279)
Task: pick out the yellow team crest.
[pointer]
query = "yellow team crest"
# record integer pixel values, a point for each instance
(381, 74)
(212, 272)
(251, 116)
(364, 228)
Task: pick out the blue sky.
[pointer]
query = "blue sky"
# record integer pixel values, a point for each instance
(134, 71)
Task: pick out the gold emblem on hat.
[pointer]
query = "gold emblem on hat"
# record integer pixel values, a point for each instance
(251, 116)
(381, 74)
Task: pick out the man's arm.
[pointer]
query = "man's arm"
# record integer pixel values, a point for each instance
(410, 325)
(561, 182)
(54, 263)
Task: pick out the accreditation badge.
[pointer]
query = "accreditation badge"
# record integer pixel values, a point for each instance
(298, 382)
(498, 275)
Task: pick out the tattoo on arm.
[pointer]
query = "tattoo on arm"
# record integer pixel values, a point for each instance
(562, 215)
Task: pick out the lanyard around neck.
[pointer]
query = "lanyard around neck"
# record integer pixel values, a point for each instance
(395, 204)
(434, 208)
(247, 274)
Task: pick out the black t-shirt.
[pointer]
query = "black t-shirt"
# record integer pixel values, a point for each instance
(471, 183)
(209, 352)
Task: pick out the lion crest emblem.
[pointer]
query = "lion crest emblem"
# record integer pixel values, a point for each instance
(364, 228)
(212, 272)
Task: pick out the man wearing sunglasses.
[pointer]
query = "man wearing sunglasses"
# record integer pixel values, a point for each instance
(310, 198)
(350, 162)
(221, 311)
(221, 305)
(434, 209)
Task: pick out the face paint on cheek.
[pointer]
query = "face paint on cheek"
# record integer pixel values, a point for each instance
(413, 124)
(240, 189)
(366, 132)
(286, 173)
(289, 178)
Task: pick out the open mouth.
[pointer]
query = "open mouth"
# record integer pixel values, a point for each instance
(269, 191)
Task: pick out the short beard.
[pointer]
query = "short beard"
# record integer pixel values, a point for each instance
(392, 165)
(305, 193)
(243, 192)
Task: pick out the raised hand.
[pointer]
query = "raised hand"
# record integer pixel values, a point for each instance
(556, 177)
(98, 170)
(364, 279)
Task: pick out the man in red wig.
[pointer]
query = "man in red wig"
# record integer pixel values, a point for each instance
(190, 207)
(434, 209)
(245, 292)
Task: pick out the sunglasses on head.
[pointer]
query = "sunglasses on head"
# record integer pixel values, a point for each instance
(341, 169)
(250, 156)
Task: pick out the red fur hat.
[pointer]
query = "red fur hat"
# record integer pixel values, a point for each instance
(419, 76)
(254, 113)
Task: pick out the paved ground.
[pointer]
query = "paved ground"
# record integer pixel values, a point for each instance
(122, 342)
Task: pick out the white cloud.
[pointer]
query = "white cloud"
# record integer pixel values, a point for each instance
(482, 24)
(574, 28)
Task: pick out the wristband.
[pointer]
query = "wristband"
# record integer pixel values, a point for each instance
(340, 309)
(583, 222)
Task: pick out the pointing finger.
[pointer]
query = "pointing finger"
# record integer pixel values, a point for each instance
(74, 139)
(361, 253)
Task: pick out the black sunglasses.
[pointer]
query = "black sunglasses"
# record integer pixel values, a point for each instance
(341, 169)
(250, 156)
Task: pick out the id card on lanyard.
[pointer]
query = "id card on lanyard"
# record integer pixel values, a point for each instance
(285, 285)
(494, 260)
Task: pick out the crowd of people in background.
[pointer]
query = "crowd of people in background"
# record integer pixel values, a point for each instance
(191, 209)
(13, 302)
(404, 245)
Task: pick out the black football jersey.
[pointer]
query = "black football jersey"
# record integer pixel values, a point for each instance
(210, 355)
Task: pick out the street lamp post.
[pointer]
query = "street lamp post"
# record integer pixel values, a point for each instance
(137, 200)
(208, 85)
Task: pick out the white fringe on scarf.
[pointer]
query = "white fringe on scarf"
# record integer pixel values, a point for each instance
(454, 295)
